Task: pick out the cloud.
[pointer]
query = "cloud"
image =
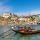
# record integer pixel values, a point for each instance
(35, 12)
(5, 9)
(32, 12)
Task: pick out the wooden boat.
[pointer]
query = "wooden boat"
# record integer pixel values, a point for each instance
(26, 31)
(30, 32)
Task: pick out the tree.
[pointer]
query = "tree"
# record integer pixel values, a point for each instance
(32, 18)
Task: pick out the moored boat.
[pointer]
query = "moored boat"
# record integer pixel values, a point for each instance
(25, 30)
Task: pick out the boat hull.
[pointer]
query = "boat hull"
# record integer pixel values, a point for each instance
(29, 32)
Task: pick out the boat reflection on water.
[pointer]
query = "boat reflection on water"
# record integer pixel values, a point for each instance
(24, 29)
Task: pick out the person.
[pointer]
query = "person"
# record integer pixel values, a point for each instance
(29, 29)
(26, 29)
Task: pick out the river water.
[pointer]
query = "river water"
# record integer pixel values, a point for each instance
(16, 36)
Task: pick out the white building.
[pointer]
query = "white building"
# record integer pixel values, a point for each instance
(6, 15)
(22, 19)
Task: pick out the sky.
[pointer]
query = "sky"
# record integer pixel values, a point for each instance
(20, 7)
